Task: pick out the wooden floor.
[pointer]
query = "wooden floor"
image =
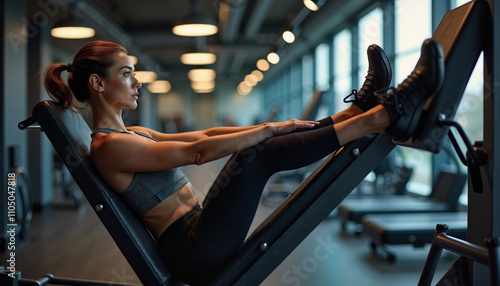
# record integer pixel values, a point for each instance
(69, 243)
(74, 243)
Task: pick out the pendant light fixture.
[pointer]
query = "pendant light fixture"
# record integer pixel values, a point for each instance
(72, 28)
(145, 76)
(195, 24)
(288, 36)
(201, 74)
(314, 5)
(159, 86)
(263, 65)
(203, 86)
(196, 58)
(273, 58)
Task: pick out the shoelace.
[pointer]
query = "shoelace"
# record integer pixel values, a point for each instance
(391, 96)
(354, 93)
(370, 78)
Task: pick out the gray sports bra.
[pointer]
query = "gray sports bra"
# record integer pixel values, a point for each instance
(148, 189)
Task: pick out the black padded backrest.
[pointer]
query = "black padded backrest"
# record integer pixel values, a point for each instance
(449, 186)
(70, 136)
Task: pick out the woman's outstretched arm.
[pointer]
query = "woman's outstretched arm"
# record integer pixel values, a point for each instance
(192, 136)
(125, 152)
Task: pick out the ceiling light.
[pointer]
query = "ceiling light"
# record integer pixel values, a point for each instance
(195, 24)
(251, 80)
(288, 37)
(273, 58)
(159, 86)
(133, 59)
(194, 30)
(313, 5)
(203, 90)
(203, 85)
(243, 88)
(258, 74)
(201, 74)
(145, 76)
(198, 58)
(72, 29)
(263, 65)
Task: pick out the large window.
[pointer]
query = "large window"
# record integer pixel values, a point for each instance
(289, 105)
(322, 66)
(413, 25)
(470, 111)
(296, 90)
(307, 80)
(370, 31)
(459, 2)
(323, 75)
(342, 68)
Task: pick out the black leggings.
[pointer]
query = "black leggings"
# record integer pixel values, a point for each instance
(199, 246)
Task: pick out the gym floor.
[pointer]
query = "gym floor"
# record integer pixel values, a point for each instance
(74, 243)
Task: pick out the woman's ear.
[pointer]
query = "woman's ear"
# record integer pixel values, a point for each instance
(96, 83)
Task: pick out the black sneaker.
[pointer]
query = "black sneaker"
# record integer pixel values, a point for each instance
(405, 103)
(379, 77)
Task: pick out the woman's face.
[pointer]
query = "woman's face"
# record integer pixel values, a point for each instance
(121, 88)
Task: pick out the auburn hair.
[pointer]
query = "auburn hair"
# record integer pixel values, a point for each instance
(96, 57)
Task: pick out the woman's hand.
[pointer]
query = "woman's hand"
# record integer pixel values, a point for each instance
(280, 128)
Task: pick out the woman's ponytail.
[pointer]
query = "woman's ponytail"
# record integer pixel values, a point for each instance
(56, 87)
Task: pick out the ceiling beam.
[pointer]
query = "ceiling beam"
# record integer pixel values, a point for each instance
(101, 23)
(160, 38)
(218, 49)
(231, 14)
(238, 61)
(222, 64)
(256, 18)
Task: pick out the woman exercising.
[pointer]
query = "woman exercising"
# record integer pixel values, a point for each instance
(198, 240)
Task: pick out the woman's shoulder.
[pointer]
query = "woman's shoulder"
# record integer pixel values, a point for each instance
(141, 129)
(107, 149)
(103, 141)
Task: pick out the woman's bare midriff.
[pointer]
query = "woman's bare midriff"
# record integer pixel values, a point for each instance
(169, 210)
(162, 215)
